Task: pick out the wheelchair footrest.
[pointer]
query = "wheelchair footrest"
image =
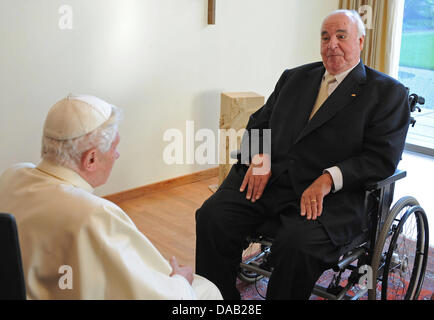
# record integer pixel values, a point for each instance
(256, 269)
(342, 295)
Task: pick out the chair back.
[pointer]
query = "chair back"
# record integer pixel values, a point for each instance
(12, 284)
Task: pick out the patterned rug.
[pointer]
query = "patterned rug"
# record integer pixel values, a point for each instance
(257, 291)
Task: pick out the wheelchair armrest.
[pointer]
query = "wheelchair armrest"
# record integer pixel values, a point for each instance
(399, 174)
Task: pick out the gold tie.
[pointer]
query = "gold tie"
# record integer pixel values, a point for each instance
(323, 93)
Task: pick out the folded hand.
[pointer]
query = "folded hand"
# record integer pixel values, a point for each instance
(311, 203)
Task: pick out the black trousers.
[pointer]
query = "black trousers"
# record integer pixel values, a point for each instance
(301, 252)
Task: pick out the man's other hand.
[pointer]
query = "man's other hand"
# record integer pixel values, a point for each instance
(311, 202)
(257, 177)
(185, 271)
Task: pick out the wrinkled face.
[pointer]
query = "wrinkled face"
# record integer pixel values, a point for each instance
(340, 43)
(106, 161)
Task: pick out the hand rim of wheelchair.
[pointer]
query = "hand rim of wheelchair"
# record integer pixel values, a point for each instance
(386, 263)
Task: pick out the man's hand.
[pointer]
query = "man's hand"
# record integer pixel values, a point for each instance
(257, 177)
(185, 271)
(312, 198)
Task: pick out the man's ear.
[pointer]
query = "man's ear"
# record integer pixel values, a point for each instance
(361, 42)
(88, 160)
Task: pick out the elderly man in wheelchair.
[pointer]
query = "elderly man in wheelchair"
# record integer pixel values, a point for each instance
(317, 165)
(387, 259)
(316, 171)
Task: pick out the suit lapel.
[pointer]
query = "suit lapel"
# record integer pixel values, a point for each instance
(344, 94)
(309, 92)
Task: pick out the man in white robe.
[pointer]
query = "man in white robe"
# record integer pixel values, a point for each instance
(76, 245)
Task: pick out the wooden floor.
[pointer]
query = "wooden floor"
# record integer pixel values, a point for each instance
(167, 218)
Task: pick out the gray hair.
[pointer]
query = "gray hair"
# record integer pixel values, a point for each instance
(68, 153)
(355, 17)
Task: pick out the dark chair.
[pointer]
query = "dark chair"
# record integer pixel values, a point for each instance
(12, 284)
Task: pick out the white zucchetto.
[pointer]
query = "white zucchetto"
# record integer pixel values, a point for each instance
(75, 116)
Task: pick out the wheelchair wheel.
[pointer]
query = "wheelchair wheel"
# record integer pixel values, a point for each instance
(401, 251)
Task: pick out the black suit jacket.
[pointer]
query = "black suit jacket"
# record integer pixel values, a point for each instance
(360, 128)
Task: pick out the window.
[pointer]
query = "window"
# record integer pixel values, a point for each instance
(416, 70)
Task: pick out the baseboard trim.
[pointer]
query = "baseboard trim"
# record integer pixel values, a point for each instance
(162, 185)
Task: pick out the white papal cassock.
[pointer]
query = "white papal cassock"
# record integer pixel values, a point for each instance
(61, 223)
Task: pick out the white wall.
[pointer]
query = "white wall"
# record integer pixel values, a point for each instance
(156, 59)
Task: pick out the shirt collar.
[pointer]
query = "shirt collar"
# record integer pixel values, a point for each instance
(64, 174)
(341, 76)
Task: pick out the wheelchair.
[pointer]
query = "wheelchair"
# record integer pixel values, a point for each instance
(387, 261)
